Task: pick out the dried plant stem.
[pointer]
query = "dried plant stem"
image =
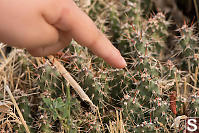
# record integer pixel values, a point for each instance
(196, 78)
(9, 59)
(118, 122)
(193, 87)
(2, 53)
(29, 76)
(177, 86)
(111, 129)
(100, 120)
(122, 129)
(185, 87)
(39, 64)
(189, 65)
(118, 125)
(17, 108)
(73, 83)
(185, 94)
(196, 8)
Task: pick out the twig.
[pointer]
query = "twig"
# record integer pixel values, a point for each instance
(72, 82)
(17, 108)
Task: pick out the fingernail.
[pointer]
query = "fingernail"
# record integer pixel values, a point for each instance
(123, 62)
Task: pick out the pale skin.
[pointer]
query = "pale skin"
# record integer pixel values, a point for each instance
(44, 27)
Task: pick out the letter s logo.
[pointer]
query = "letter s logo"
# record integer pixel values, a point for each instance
(191, 125)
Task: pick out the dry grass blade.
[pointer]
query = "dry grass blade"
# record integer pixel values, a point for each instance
(4, 107)
(177, 86)
(196, 78)
(17, 108)
(196, 8)
(118, 125)
(122, 129)
(185, 87)
(73, 83)
(100, 119)
(12, 54)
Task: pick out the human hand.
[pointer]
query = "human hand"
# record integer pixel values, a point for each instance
(44, 27)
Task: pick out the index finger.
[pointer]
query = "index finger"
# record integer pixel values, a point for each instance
(85, 32)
